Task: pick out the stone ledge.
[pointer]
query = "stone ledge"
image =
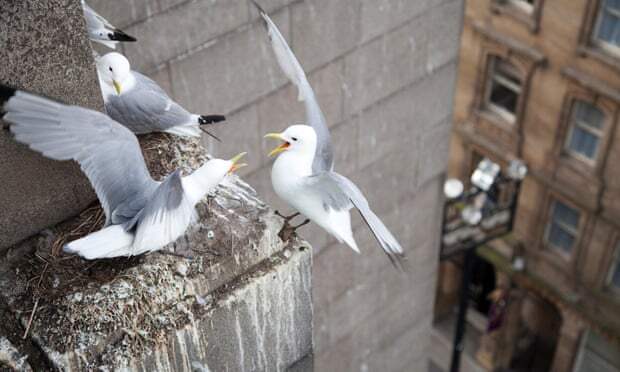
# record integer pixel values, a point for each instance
(161, 311)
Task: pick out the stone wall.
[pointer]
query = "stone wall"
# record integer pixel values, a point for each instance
(384, 72)
(36, 192)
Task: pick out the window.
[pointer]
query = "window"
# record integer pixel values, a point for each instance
(586, 130)
(503, 89)
(607, 29)
(525, 5)
(562, 227)
(614, 272)
(597, 354)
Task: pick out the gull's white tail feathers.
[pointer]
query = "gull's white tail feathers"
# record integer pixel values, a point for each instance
(190, 130)
(112, 241)
(340, 226)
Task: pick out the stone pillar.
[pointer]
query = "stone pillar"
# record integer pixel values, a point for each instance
(43, 48)
(567, 347)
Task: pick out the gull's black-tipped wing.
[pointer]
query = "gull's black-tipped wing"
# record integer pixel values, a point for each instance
(324, 159)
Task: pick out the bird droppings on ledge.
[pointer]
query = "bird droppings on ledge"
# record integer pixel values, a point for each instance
(108, 312)
(11, 358)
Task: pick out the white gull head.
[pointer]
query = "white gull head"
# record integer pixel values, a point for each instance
(114, 74)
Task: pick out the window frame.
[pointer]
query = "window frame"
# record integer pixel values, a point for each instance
(524, 6)
(576, 233)
(588, 46)
(605, 46)
(520, 12)
(572, 122)
(615, 264)
(491, 78)
(583, 346)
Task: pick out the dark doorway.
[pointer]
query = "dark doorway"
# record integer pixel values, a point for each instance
(535, 346)
(481, 285)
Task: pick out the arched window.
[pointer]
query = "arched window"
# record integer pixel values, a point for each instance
(585, 131)
(503, 91)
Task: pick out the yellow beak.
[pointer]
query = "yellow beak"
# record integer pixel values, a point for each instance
(117, 87)
(282, 147)
(234, 161)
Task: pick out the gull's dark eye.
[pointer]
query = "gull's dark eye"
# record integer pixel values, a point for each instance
(110, 68)
(294, 138)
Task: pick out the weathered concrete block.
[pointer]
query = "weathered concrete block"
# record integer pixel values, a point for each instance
(385, 65)
(390, 179)
(324, 30)
(234, 71)
(381, 16)
(270, 6)
(175, 31)
(122, 13)
(162, 77)
(443, 46)
(240, 132)
(433, 97)
(36, 192)
(346, 153)
(390, 124)
(435, 149)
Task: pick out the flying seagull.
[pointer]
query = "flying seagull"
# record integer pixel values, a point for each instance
(101, 31)
(289, 64)
(142, 215)
(303, 174)
(324, 197)
(141, 105)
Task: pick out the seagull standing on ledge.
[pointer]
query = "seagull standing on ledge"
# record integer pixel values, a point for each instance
(138, 103)
(324, 197)
(101, 31)
(303, 174)
(142, 215)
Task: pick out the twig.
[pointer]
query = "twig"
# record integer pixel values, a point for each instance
(42, 273)
(34, 310)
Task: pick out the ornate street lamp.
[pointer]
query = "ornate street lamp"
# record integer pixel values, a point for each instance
(472, 218)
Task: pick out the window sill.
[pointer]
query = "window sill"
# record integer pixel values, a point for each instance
(578, 164)
(599, 54)
(556, 258)
(496, 119)
(529, 19)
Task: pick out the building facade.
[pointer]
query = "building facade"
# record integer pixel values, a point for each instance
(539, 80)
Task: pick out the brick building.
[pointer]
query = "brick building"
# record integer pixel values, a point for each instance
(539, 80)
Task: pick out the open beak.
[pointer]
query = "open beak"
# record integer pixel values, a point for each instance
(280, 148)
(117, 87)
(235, 163)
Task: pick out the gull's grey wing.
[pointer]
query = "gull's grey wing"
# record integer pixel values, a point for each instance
(147, 108)
(108, 153)
(339, 193)
(165, 217)
(324, 158)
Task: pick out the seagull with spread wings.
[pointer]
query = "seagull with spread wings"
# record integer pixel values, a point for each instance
(303, 175)
(142, 215)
